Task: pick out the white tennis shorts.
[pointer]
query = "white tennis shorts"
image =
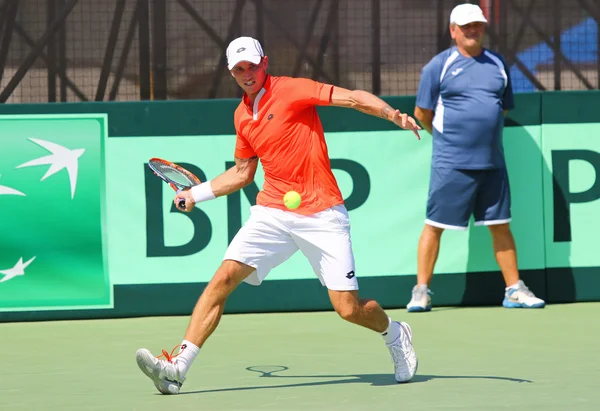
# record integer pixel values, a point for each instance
(271, 236)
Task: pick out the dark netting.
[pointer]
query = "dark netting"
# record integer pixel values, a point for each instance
(73, 50)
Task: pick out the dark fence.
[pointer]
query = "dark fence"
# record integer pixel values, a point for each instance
(74, 50)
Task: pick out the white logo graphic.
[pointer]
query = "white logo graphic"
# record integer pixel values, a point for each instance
(457, 71)
(4, 190)
(18, 269)
(60, 158)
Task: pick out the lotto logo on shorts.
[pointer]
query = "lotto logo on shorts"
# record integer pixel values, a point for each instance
(51, 182)
(350, 275)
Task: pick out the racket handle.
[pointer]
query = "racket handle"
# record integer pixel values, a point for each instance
(181, 203)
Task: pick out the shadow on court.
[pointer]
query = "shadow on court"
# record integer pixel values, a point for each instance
(377, 380)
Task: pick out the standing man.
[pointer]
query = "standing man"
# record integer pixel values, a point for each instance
(463, 95)
(277, 122)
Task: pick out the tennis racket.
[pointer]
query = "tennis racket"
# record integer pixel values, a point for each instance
(176, 176)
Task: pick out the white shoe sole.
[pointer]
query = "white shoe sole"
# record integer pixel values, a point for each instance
(407, 327)
(143, 357)
(418, 309)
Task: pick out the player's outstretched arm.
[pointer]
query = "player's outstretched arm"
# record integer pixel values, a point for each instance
(371, 104)
(234, 179)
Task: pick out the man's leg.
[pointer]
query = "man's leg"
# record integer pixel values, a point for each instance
(169, 374)
(209, 308)
(263, 242)
(324, 238)
(505, 252)
(516, 295)
(366, 313)
(427, 253)
(449, 206)
(493, 209)
(369, 314)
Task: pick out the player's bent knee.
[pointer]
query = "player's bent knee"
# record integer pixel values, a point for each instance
(346, 304)
(348, 309)
(221, 282)
(349, 312)
(229, 275)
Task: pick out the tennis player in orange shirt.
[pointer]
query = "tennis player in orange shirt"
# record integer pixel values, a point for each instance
(277, 122)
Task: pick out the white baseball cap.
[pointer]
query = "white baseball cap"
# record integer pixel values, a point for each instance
(464, 14)
(244, 49)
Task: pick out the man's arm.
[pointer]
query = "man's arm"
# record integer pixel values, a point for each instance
(236, 178)
(425, 117)
(370, 104)
(232, 180)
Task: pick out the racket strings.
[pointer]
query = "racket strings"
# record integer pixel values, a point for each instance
(174, 174)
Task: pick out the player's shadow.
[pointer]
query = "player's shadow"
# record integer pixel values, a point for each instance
(377, 380)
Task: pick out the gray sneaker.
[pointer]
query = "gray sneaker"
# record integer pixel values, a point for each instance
(163, 373)
(403, 354)
(521, 297)
(421, 299)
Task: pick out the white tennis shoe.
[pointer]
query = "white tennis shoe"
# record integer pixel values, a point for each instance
(421, 299)
(521, 297)
(164, 373)
(403, 354)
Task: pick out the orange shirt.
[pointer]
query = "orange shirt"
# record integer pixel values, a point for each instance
(283, 129)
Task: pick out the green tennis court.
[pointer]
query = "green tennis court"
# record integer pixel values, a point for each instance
(470, 359)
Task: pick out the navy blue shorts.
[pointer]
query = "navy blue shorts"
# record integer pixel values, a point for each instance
(455, 195)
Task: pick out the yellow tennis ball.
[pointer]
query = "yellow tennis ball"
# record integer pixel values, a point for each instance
(292, 199)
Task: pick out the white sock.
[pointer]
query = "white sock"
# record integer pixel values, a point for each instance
(187, 353)
(514, 286)
(392, 333)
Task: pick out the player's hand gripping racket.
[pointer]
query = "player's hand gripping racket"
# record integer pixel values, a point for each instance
(176, 176)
